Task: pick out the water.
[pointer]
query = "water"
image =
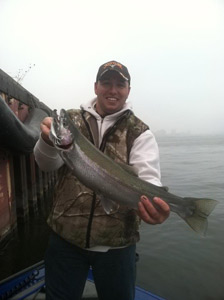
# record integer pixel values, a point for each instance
(175, 262)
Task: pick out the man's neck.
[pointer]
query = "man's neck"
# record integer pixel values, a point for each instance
(99, 113)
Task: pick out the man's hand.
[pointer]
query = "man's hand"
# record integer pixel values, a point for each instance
(45, 128)
(153, 214)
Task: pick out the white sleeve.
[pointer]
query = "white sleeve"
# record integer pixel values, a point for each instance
(47, 157)
(144, 157)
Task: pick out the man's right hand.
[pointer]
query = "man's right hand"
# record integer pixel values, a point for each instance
(45, 128)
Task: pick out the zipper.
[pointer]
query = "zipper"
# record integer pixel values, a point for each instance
(101, 148)
(90, 221)
(110, 130)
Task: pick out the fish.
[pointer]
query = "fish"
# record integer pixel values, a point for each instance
(117, 184)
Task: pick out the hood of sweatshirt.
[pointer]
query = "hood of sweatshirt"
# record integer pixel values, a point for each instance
(104, 122)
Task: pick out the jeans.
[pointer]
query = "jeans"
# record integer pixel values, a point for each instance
(66, 269)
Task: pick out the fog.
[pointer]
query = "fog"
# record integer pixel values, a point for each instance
(173, 50)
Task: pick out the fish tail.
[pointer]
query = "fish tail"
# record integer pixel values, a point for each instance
(202, 208)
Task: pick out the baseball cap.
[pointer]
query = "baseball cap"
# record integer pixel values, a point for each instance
(113, 66)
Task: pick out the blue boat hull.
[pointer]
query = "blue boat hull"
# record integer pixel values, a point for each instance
(31, 281)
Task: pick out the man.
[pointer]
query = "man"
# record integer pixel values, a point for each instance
(83, 235)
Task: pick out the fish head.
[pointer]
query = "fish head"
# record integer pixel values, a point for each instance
(60, 134)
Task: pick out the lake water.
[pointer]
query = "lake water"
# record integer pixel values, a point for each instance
(175, 262)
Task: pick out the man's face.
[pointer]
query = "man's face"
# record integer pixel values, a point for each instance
(112, 90)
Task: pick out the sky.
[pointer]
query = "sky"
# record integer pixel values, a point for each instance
(174, 51)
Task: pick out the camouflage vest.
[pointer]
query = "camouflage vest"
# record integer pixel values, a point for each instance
(77, 214)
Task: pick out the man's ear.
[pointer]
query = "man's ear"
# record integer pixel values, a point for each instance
(95, 87)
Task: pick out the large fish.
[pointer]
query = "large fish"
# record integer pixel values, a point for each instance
(115, 183)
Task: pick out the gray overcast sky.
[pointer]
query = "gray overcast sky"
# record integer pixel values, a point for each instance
(173, 49)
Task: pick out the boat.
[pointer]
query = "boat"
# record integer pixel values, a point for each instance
(30, 284)
(22, 183)
(20, 132)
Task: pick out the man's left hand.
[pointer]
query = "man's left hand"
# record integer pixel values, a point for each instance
(153, 214)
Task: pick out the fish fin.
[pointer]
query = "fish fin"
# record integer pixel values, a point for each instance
(202, 209)
(165, 188)
(130, 169)
(108, 205)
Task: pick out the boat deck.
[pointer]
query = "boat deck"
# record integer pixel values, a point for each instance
(29, 284)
